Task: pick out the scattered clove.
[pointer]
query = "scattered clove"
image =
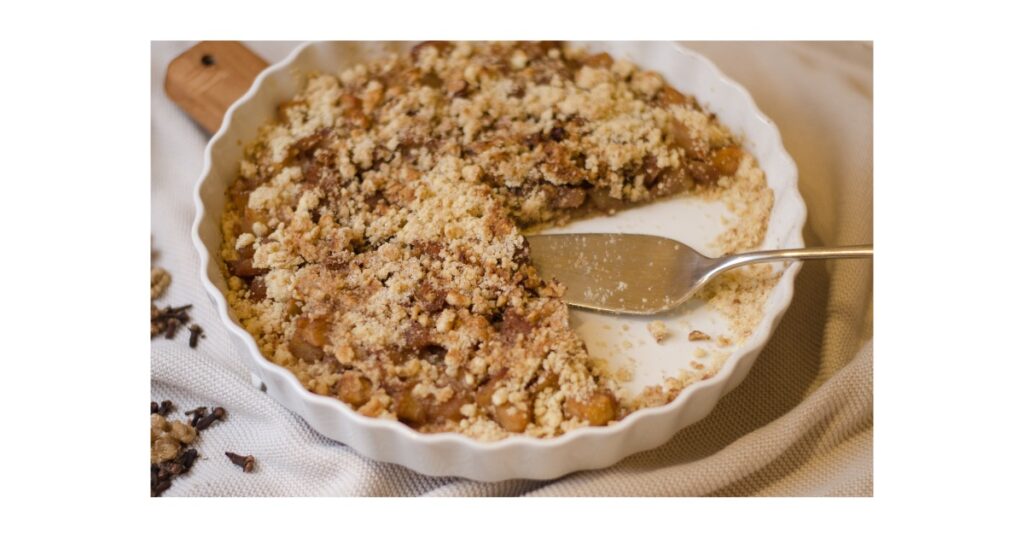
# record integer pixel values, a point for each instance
(156, 489)
(196, 414)
(195, 332)
(208, 420)
(245, 462)
(169, 468)
(165, 407)
(172, 328)
(161, 474)
(167, 320)
(187, 458)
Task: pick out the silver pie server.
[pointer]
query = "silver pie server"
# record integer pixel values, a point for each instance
(646, 274)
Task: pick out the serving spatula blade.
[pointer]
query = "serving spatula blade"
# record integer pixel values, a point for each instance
(622, 273)
(646, 274)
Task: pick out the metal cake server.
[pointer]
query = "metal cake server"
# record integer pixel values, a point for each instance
(645, 274)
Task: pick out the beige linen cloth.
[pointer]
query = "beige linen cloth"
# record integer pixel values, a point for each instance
(800, 424)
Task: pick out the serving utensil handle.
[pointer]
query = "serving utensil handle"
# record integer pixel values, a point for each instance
(207, 78)
(813, 253)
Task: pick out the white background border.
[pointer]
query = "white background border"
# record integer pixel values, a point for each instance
(948, 114)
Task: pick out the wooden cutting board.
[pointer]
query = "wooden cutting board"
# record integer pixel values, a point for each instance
(207, 78)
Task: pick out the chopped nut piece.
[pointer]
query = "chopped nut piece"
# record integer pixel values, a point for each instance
(159, 280)
(165, 444)
(184, 433)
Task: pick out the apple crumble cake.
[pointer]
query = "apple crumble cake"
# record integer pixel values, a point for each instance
(374, 241)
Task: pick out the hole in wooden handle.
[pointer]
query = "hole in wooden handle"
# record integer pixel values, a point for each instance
(207, 78)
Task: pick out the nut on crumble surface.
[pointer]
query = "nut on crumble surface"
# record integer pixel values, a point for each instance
(373, 237)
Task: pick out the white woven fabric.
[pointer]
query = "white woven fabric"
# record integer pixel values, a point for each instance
(801, 423)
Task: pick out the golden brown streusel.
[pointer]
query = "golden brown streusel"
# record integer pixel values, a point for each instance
(373, 237)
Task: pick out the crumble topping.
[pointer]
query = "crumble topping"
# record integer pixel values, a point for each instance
(374, 235)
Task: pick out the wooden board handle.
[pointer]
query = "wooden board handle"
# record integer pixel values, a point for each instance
(207, 78)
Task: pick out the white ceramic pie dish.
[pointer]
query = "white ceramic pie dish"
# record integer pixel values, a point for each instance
(449, 454)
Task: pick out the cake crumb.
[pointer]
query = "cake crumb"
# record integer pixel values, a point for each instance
(658, 330)
(624, 374)
(696, 336)
(700, 353)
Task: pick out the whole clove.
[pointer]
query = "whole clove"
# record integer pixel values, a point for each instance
(167, 320)
(161, 486)
(196, 414)
(208, 420)
(165, 407)
(170, 468)
(161, 474)
(247, 463)
(172, 328)
(194, 333)
(187, 458)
